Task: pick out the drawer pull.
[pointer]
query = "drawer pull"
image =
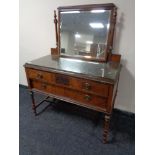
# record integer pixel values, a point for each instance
(39, 76)
(43, 86)
(87, 86)
(87, 97)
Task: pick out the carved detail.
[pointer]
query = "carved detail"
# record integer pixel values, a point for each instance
(62, 80)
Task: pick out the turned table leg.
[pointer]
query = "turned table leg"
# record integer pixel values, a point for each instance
(106, 128)
(33, 103)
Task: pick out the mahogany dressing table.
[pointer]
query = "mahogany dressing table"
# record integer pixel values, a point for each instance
(82, 69)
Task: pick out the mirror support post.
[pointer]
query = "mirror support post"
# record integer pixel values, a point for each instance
(56, 28)
(114, 15)
(113, 23)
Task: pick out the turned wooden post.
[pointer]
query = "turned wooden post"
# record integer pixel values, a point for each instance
(33, 103)
(106, 128)
(56, 28)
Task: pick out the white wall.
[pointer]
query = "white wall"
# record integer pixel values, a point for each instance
(37, 36)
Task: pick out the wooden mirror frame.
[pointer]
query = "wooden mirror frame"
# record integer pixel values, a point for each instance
(109, 47)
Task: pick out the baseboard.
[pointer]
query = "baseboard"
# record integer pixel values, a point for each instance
(23, 86)
(125, 114)
(115, 111)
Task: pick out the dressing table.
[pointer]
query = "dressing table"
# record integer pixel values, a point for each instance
(82, 69)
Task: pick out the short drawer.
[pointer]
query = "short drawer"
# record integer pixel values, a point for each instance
(39, 75)
(42, 86)
(90, 86)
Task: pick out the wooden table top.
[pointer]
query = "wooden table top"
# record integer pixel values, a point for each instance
(80, 68)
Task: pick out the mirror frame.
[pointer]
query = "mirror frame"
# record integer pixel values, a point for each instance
(108, 6)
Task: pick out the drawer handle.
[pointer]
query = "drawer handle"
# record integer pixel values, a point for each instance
(87, 97)
(39, 76)
(87, 86)
(43, 86)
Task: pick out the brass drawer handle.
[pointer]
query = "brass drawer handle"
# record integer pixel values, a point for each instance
(87, 86)
(87, 97)
(43, 85)
(39, 76)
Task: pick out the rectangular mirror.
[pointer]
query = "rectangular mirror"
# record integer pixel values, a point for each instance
(85, 31)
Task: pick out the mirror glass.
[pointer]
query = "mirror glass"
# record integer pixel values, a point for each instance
(84, 33)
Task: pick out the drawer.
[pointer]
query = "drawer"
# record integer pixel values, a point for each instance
(87, 99)
(39, 75)
(90, 86)
(42, 86)
(77, 96)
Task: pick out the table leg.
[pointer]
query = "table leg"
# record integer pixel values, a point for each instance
(33, 102)
(106, 128)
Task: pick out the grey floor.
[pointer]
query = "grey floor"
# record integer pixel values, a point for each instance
(66, 129)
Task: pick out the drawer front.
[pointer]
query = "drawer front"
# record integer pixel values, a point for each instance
(90, 86)
(42, 86)
(40, 75)
(77, 96)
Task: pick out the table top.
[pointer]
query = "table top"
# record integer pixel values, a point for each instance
(103, 72)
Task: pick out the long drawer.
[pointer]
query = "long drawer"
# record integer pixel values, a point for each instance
(77, 96)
